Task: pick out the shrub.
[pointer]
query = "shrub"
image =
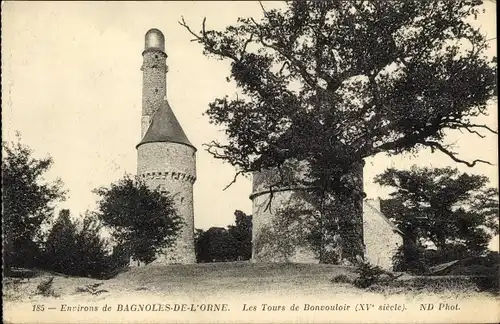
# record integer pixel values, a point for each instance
(92, 289)
(341, 279)
(27, 204)
(146, 221)
(46, 289)
(368, 275)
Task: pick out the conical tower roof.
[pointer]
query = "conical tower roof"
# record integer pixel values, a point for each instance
(165, 127)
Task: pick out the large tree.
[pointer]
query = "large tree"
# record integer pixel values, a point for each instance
(28, 202)
(143, 221)
(456, 211)
(333, 82)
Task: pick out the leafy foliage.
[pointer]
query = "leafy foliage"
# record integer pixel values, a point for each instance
(296, 225)
(455, 211)
(410, 258)
(333, 82)
(28, 203)
(368, 275)
(61, 253)
(77, 248)
(142, 221)
(46, 289)
(242, 234)
(216, 245)
(344, 80)
(219, 244)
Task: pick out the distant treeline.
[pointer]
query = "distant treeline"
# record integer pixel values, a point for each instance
(219, 244)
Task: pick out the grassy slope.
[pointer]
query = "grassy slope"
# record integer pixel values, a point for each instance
(234, 284)
(211, 279)
(237, 276)
(215, 279)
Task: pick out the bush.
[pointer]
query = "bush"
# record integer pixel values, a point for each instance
(146, 221)
(368, 275)
(341, 279)
(46, 289)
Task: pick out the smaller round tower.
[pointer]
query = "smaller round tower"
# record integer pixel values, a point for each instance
(266, 206)
(278, 237)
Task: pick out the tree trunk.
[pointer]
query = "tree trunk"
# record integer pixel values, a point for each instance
(343, 223)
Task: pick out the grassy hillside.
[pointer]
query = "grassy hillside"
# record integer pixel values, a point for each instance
(219, 280)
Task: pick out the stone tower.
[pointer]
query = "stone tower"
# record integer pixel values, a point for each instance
(282, 237)
(278, 238)
(165, 157)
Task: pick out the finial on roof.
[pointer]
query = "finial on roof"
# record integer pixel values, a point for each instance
(154, 39)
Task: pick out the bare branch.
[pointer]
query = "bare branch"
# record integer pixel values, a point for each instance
(482, 126)
(308, 78)
(271, 195)
(474, 132)
(272, 186)
(234, 179)
(263, 9)
(459, 125)
(436, 145)
(185, 25)
(244, 49)
(203, 26)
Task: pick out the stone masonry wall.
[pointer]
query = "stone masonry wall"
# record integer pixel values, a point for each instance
(154, 85)
(381, 241)
(172, 167)
(288, 194)
(271, 242)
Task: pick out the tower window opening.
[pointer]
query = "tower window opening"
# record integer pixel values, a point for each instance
(156, 56)
(156, 90)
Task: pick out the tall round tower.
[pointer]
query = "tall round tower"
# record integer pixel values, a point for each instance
(165, 157)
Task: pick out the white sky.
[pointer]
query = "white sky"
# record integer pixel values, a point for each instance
(71, 85)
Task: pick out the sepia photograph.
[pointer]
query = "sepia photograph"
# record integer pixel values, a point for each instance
(328, 161)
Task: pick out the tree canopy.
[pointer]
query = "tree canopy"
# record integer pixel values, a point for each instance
(28, 202)
(334, 82)
(453, 210)
(143, 221)
(242, 233)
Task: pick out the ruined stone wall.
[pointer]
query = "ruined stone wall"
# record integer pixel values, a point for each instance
(381, 240)
(172, 167)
